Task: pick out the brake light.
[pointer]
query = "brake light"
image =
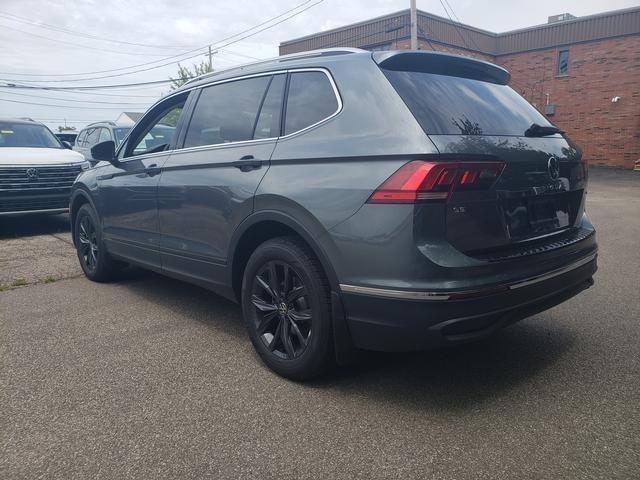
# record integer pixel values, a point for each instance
(420, 181)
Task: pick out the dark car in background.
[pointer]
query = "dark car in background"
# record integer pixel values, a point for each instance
(69, 137)
(95, 133)
(390, 201)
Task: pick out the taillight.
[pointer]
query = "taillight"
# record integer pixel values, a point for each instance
(420, 181)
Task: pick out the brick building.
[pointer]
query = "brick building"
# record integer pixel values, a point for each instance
(583, 73)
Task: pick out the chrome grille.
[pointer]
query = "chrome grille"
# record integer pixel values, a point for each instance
(15, 179)
(22, 189)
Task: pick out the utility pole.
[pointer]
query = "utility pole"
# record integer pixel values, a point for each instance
(414, 26)
(210, 55)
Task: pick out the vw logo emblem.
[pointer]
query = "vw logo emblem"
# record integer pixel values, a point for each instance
(32, 173)
(553, 166)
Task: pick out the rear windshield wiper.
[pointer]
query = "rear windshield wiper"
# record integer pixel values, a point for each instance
(536, 130)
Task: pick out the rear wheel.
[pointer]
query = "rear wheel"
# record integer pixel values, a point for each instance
(96, 263)
(286, 307)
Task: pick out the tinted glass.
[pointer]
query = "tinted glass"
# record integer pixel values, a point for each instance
(27, 135)
(268, 124)
(93, 135)
(311, 99)
(120, 133)
(226, 112)
(81, 137)
(158, 135)
(104, 135)
(563, 62)
(461, 106)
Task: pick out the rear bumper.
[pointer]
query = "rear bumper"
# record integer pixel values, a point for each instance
(394, 320)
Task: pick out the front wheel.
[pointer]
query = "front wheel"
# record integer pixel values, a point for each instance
(95, 261)
(286, 307)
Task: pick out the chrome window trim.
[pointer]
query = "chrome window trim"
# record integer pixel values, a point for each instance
(244, 142)
(444, 295)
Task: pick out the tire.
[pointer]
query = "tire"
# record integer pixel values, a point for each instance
(95, 261)
(286, 308)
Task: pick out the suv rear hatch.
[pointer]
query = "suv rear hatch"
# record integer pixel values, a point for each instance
(472, 116)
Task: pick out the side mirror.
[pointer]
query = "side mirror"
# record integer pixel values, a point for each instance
(67, 145)
(104, 151)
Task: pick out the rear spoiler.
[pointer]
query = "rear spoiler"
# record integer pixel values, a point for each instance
(442, 64)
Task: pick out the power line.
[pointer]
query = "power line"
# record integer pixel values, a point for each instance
(56, 28)
(86, 87)
(200, 50)
(456, 17)
(79, 45)
(455, 26)
(60, 106)
(76, 101)
(117, 95)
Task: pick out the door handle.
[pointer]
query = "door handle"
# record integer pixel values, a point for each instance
(152, 170)
(248, 163)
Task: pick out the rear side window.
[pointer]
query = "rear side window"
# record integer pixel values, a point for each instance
(446, 105)
(104, 135)
(226, 112)
(268, 123)
(311, 99)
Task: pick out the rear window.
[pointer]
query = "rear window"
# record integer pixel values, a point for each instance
(446, 105)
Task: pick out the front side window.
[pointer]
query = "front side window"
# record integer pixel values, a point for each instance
(27, 135)
(81, 137)
(311, 99)
(563, 62)
(120, 133)
(156, 133)
(93, 135)
(226, 112)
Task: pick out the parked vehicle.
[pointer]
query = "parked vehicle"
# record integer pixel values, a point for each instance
(95, 133)
(391, 201)
(69, 137)
(36, 169)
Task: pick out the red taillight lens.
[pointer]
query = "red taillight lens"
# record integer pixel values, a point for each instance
(420, 181)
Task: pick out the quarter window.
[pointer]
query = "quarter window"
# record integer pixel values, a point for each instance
(311, 99)
(563, 62)
(226, 112)
(80, 139)
(92, 137)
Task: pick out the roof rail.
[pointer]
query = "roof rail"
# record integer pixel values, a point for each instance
(27, 119)
(113, 124)
(325, 52)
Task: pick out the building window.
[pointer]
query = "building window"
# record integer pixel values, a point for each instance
(563, 62)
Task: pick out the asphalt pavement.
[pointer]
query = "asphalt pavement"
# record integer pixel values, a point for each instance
(152, 378)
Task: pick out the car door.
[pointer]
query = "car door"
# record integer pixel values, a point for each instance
(207, 187)
(128, 189)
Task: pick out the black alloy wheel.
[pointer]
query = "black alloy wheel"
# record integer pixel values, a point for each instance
(284, 317)
(88, 243)
(286, 304)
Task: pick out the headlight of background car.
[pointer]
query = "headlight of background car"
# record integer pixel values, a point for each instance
(85, 165)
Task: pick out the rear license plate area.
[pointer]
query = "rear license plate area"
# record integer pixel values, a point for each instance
(534, 216)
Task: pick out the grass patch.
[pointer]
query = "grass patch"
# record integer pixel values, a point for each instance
(50, 279)
(19, 282)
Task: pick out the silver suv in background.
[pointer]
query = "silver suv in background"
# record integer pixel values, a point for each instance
(99, 132)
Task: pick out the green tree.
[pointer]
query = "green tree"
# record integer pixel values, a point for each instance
(185, 74)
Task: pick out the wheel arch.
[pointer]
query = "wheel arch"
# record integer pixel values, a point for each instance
(266, 224)
(79, 197)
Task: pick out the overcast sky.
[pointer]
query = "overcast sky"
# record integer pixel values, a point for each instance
(37, 52)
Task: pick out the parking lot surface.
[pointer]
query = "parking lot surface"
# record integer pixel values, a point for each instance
(153, 378)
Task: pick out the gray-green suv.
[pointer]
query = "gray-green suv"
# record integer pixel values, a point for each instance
(347, 199)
